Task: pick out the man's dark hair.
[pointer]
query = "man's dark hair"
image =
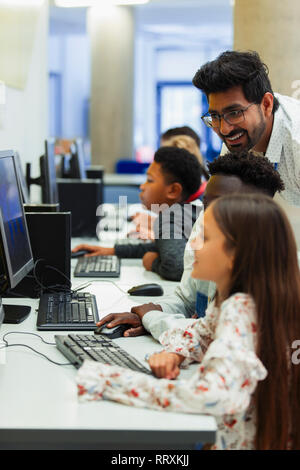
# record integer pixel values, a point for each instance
(252, 169)
(236, 68)
(179, 165)
(184, 130)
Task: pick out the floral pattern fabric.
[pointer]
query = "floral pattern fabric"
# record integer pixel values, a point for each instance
(223, 343)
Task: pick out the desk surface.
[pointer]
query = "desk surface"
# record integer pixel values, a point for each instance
(38, 399)
(119, 179)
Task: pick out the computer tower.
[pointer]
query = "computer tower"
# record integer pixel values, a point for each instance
(50, 239)
(82, 198)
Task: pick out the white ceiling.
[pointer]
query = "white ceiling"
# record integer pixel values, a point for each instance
(176, 3)
(196, 18)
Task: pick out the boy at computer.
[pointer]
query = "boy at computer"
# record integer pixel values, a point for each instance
(181, 137)
(242, 173)
(172, 178)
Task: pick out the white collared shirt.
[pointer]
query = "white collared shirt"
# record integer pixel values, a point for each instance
(284, 147)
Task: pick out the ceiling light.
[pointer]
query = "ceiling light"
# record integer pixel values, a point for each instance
(93, 3)
(21, 3)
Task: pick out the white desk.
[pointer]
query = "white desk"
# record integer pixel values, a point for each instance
(119, 179)
(38, 400)
(122, 184)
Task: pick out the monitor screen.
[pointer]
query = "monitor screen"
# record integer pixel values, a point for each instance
(15, 239)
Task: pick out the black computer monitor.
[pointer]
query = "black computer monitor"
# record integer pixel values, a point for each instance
(48, 174)
(1, 312)
(21, 178)
(15, 250)
(47, 178)
(77, 161)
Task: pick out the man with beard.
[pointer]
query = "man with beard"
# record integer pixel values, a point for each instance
(246, 114)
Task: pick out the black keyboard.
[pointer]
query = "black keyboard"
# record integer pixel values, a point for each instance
(98, 266)
(76, 348)
(67, 311)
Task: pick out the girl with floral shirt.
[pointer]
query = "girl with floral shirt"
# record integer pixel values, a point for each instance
(243, 345)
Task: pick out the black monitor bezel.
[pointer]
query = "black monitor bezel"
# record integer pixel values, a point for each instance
(15, 278)
(47, 168)
(77, 163)
(22, 181)
(1, 312)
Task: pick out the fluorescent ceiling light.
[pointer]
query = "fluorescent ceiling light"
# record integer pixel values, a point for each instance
(94, 3)
(21, 3)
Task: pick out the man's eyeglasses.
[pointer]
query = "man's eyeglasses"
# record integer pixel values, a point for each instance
(231, 117)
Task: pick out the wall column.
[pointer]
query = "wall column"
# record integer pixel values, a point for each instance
(112, 81)
(272, 29)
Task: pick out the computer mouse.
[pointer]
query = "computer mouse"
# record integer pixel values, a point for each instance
(77, 254)
(114, 332)
(146, 289)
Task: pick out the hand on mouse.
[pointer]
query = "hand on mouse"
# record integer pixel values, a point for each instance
(148, 259)
(114, 319)
(94, 250)
(166, 364)
(141, 310)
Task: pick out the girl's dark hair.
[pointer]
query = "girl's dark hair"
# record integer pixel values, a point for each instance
(179, 165)
(236, 68)
(266, 267)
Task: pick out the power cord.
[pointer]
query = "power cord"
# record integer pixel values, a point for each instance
(61, 287)
(40, 287)
(88, 283)
(56, 287)
(29, 347)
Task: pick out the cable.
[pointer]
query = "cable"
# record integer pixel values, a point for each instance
(53, 288)
(29, 347)
(26, 333)
(86, 284)
(59, 272)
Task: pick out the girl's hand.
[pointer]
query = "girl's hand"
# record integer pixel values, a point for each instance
(165, 364)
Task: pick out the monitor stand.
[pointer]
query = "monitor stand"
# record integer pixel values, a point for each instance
(15, 313)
